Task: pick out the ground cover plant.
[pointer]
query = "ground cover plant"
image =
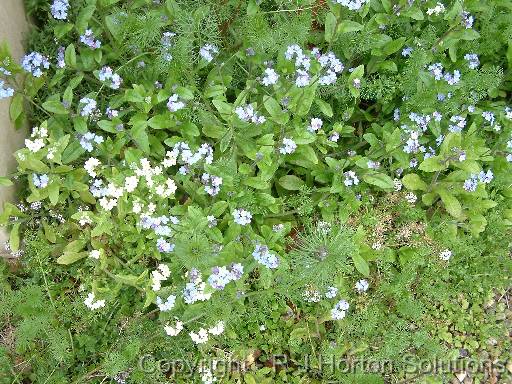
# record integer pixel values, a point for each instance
(265, 191)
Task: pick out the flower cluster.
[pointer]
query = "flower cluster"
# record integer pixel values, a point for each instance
(340, 310)
(242, 217)
(248, 114)
(162, 273)
(88, 139)
(263, 256)
(59, 9)
(350, 179)
(108, 76)
(89, 39)
(174, 104)
(93, 304)
(222, 276)
(35, 63)
(288, 146)
(471, 184)
(195, 289)
(270, 77)
(208, 51)
(353, 5)
(211, 184)
(5, 92)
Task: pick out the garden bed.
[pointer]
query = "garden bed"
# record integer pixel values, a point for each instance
(260, 192)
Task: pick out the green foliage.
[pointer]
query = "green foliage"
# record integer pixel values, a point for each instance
(275, 184)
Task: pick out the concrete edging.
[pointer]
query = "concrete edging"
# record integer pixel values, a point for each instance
(13, 27)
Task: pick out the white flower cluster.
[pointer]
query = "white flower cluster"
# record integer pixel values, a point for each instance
(315, 124)
(194, 289)
(331, 64)
(222, 276)
(40, 181)
(437, 10)
(270, 77)
(208, 51)
(211, 183)
(5, 91)
(174, 330)
(106, 74)
(61, 62)
(331, 292)
(162, 273)
(288, 146)
(166, 42)
(302, 65)
(34, 63)
(90, 166)
(263, 256)
(445, 255)
(59, 9)
(242, 217)
(350, 179)
(88, 39)
(166, 305)
(339, 310)
(311, 295)
(87, 106)
(182, 152)
(174, 104)
(201, 336)
(95, 254)
(248, 114)
(108, 195)
(353, 5)
(437, 71)
(38, 135)
(87, 140)
(93, 304)
(362, 286)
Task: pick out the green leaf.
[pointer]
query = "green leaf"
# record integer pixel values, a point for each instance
(53, 191)
(330, 27)
(14, 237)
(56, 107)
(16, 108)
(413, 182)
(291, 182)
(70, 56)
(379, 180)
(161, 121)
(275, 111)
(433, 164)
(361, 264)
(324, 107)
(68, 258)
(393, 46)
(451, 204)
(349, 26)
(224, 108)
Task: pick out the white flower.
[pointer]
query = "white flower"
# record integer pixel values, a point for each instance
(107, 75)
(174, 331)
(339, 310)
(174, 104)
(88, 39)
(166, 305)
(93, 305)
(95, 254)
(5, 92)
(34, 63)
(208, 51)
(242, 217)
(130, 183)
(88, 106)
(270, 77)
(288, 146)
(439, 8)
(411, 198)
(248, 114)
(200, 337)
(59, 9)
(217, 329)
(315, 124)
(353, 5)
(263, 256)
(350, 179)
(445, 255)
(90, 166)
(331, 292)
(362, 286)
